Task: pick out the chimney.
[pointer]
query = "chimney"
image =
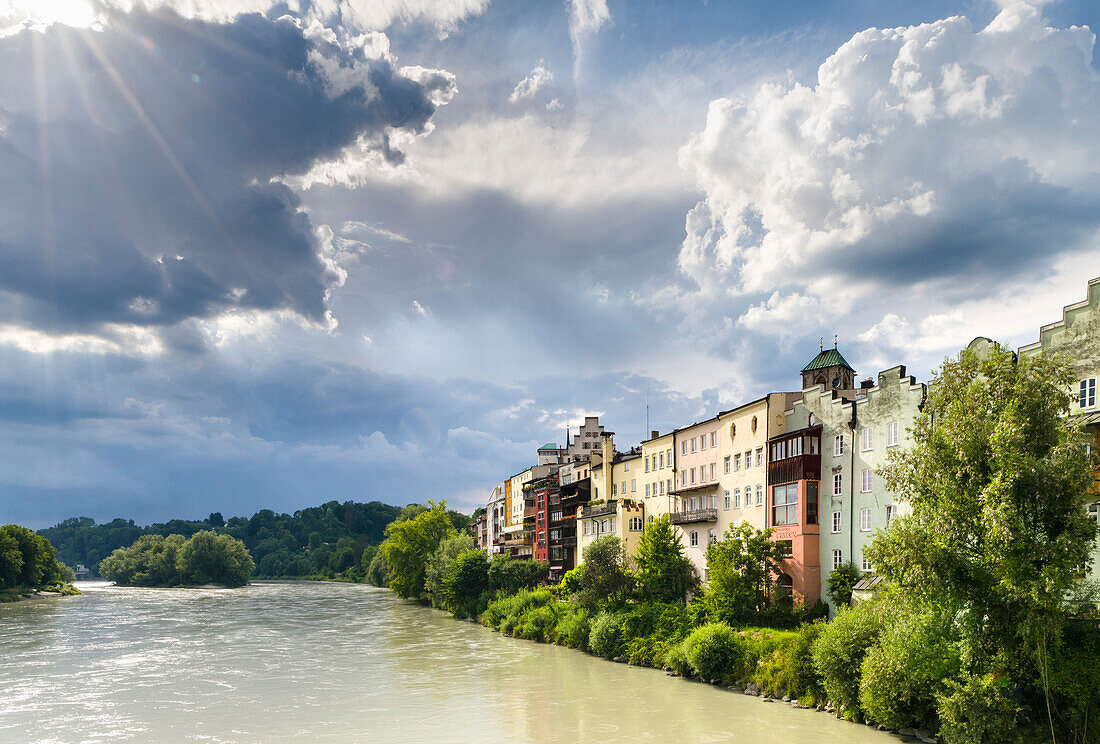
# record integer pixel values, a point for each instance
(866, 384)
(654, 434)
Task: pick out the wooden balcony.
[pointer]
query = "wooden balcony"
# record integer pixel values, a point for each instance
(694, 515)
(802, 467)
(600, 510)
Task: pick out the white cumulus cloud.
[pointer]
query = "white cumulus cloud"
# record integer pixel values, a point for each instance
(530, 85)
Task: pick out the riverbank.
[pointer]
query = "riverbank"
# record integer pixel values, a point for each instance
(23, 594)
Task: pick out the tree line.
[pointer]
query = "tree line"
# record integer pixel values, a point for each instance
(204, 558)
(326, 541)
(983, 629)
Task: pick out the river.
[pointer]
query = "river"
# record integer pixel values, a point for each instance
(318, 662)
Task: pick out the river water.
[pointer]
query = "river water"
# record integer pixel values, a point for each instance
(318, 662)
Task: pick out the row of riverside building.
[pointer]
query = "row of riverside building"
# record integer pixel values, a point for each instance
(804, 464)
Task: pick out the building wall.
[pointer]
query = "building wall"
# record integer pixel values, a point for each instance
(657, 473)
(740, 440)
(699, 492)
(896, 399)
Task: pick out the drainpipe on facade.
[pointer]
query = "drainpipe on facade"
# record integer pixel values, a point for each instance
(852, 487)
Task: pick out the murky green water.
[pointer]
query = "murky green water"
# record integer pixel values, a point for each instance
(339, 663)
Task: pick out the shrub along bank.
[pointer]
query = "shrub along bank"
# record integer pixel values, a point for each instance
(28, 564)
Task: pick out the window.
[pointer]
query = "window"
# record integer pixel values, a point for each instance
(866, 438)
(837, 521)
(1088, 392)
(663, 488)
(694, 445)
(866, 564)
(651, 519)
(647, 464)
(693, 476)
(670, 485)
(622, 488)
(714, 439)
(838, 484)
(759, 456)
(692, 504)
(726, 502)
(748, 459)
(647, 490)
(759, 495)
(866, 482)
(786, 548)
(811, 502)
(726, 464)
(634, 485)
(614, 487)
(713, 467)
(694, 539)
(892, 434)
(737, 462)
(683, 478)
(703, 442)
(636, 524)
(626, 466)
(683, 447)
(838, 559)
(584, 528)
(865, 519)
(712, 537)
(838, 445)
(785, 504)
(737, 498)
(662, 460)
(891, 514)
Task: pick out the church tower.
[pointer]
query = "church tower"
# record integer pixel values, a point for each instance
(830, 370)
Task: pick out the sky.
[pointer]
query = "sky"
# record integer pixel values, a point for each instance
(262, 254)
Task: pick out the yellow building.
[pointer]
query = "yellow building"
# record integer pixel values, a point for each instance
(658, 468)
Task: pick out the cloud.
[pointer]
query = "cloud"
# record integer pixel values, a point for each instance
(927, 153)
(137, 165)
(530, 85)
(586, 17)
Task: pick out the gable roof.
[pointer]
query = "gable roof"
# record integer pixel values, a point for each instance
(828, 358)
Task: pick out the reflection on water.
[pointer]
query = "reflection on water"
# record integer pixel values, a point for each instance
(318, 662)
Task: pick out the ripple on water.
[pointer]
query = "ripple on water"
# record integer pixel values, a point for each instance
(280, 662)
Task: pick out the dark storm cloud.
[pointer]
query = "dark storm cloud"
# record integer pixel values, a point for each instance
(136, 163)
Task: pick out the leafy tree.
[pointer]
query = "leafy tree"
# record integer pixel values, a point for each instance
(603, 577)
(440, 563)
(509, 575)
(206, 557)
(841, 582)
(997, 479)
(210, 557)
(740, 568)
(410, 543)
(664, 574)
(11, 560)
(466, 584)
(216, 519)
(36, 565)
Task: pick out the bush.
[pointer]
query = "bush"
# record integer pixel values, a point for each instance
(841, 581)
(838, 653)
(1075, 682)
(506, 612)
(716, 652)
(573, 628)
(538, 623)
(676, 660)
(976, 710)
(906, 669)
(789, 668)
(605, 638)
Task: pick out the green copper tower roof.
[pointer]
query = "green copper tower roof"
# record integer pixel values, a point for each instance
(827, 358)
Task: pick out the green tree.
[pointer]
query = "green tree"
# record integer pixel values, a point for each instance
(466, 584)
(11, 560)
(740, 568)
(509, 575)
(212, 558)
(997, 479)
(216, 519)
(603, 577)
(440, 563)
(38, 565)
(410, 543)
(841, 581)
(664, 573)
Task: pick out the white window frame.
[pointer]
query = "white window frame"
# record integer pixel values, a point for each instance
(713, 439)
(892, 434)
(838, 484)
(703, 442)
(634, 485)
(726, 501)
(759, 456)
(838, 522)
(726, 465)
(737, 461)
(694, 538)
(838, 558)
(865, 519)
(647, 490)
(891, 513)
(866, 480)
(712, 537)
(713, 469)
(867, 438)
(838, 445)
(1087, 395)
(866, 564)
(684, 447)
(759, 495)
(694, 445)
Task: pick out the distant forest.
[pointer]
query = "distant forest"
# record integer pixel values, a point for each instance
(322, 541)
